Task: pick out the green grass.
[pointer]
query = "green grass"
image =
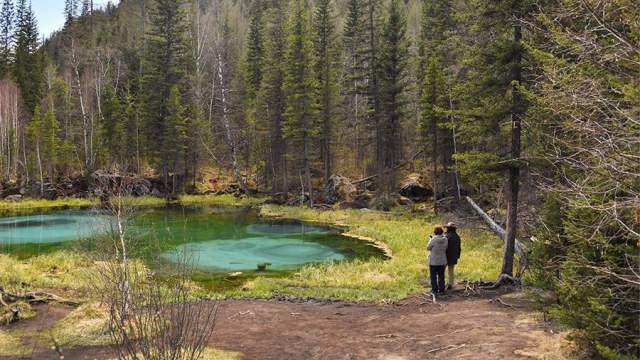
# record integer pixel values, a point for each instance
(26, 206)
(404, 274)
(227, 200)
(30, 205)
(401, 276)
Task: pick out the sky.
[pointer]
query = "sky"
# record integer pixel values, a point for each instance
(50, 14)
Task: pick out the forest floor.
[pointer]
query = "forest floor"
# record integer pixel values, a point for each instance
(492, 325)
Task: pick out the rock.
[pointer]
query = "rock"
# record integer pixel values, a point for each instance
(141, 187)
(156, 192)
(278, 199)
(16, 197)
(404, 201)
(339, 189)
(413, 187)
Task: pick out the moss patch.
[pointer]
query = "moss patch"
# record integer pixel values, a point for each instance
(85, 326)
(11, 345)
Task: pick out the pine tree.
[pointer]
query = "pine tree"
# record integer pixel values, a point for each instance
(492, 99)
(437, 38)
(28, 63)
(70, 10)
(175, 133)
(167, 65)
(354, 77)
(271, 100)
(325, 63)
(393, 61)
(6, 36)
(300, 89)
(371, 64)
(50, 142)
(113, 126)
(87, 7)
(435, 30)
(255, 54)
(35, 138)
(132, 133)
(431, 116)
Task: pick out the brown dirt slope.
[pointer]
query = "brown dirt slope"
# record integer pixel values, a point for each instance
(452, 328)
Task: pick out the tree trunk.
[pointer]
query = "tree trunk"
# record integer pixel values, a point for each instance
(513, 183)
(40, 170)
(85, 123)
(307, 171)
(434, 159)
(227, 130)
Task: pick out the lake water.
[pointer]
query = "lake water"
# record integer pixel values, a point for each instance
(209, 239)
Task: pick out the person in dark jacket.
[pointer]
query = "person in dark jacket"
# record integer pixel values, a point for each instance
(453, 252)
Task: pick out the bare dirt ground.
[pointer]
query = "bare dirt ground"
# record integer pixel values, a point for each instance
(455, 327)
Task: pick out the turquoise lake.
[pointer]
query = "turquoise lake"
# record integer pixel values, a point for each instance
(209, 239)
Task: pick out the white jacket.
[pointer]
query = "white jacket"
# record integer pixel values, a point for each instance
(437, 250)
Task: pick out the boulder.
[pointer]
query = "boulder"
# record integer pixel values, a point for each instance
(141, 187)
(339, 189)
(413, 187)
(16, 197)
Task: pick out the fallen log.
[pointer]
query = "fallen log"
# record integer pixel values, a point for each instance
(520, 248)
(35, 297)
(398, 166)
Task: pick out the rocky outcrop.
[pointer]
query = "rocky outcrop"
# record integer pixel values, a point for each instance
(339, 189)
(413, 187)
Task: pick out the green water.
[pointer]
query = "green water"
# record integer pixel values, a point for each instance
(209, 239)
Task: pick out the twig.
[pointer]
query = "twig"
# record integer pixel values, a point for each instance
(446, 348)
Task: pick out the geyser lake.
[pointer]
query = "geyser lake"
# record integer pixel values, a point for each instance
(209, 239)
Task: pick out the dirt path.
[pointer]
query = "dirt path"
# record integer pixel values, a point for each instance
(454, 328)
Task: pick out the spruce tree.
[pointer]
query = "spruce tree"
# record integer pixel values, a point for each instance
(255, 54)
(6, 36)
(175, 133)
(35, 139)
(271, 100)
(131, 133)
(167, 65)
(393, 61)
(113, 126)
(432, 114)
(325, 65)
(87, 7)
(70, 10)
(50, 143)
(28, 63)
(300, 88)
(353, 87)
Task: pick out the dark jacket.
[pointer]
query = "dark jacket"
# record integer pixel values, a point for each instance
(453, 247)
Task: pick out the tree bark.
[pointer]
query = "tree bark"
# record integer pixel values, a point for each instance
(227, 130)
(513, 184)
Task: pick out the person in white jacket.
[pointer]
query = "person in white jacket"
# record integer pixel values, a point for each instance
(437, 259)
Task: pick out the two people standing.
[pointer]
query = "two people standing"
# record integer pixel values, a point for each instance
(444, 251)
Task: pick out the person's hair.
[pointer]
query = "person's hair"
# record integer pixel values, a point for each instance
(438, 230)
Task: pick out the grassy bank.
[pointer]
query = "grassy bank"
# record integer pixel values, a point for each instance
(377, 280)
(402, 233)
(31, 205)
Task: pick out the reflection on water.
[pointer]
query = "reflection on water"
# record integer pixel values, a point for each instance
(247, 253)
(51, 228)
(209, 240)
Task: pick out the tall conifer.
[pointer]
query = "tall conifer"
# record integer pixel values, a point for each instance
(6, 36)
(392, 63)
(300, 88)
(325, 65)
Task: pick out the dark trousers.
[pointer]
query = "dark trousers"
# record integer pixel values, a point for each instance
(437, 278)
